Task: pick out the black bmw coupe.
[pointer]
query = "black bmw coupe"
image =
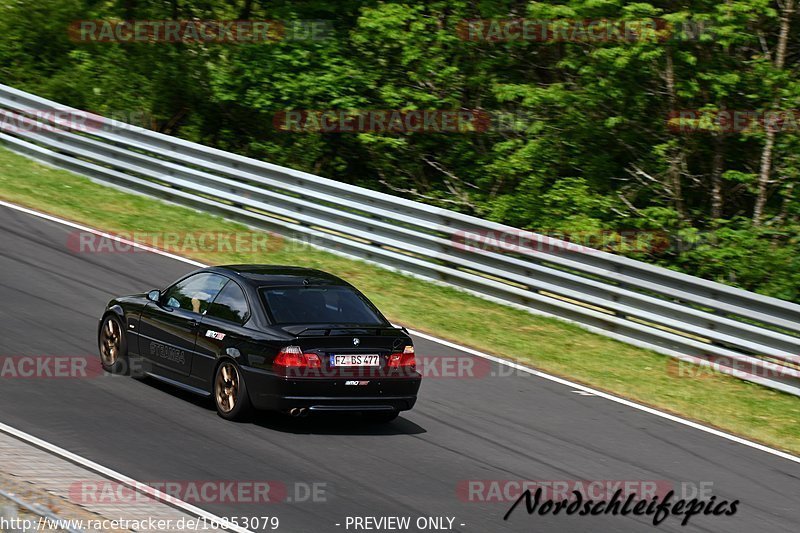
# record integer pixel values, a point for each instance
(280, 338)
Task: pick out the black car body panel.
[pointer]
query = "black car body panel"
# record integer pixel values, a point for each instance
(182, 339)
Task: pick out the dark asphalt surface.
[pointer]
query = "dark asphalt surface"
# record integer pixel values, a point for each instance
(492, 427)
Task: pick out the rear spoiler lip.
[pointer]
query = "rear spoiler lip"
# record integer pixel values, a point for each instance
(324, 330)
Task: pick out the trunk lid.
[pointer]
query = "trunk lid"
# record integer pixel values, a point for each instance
(329, 341)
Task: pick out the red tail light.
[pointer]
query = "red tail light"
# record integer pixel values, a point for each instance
(293, 357)
(406, 359)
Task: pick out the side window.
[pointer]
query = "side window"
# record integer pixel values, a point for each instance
(230, 305)
(195, 292)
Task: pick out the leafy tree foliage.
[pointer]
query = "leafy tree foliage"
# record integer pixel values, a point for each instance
(597, 145)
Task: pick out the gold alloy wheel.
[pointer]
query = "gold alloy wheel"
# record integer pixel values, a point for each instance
(227, 387)
(110, 339)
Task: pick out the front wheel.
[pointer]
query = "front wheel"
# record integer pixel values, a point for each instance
(230, 392)
(113, 346)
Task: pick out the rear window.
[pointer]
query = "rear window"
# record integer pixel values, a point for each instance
(319, 305)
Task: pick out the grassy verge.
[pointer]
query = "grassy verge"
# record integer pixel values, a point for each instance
(548, 344)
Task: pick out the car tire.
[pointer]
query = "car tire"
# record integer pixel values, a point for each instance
(113, 345)
(381, 417)
(230, 392)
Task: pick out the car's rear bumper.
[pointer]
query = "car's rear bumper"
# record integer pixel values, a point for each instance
(276, 392)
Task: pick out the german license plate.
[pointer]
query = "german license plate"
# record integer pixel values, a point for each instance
(356, 360)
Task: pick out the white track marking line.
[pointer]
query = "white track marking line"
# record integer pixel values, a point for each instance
(517, 366)
(611, 397)
(111, 236)
(157, 495)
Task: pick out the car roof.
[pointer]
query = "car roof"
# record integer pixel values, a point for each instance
(279, 275)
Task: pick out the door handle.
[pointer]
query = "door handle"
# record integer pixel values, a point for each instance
(194, 324)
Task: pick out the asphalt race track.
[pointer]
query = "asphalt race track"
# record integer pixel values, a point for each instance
(485, 427)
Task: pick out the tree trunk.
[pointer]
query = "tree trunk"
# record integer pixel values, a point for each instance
(129, 9)
(247, 10)
(788, 195)
(716, 180)
(763, 177)
(676, 160)
(769, 143)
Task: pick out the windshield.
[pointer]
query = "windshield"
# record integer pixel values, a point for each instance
(319, 305)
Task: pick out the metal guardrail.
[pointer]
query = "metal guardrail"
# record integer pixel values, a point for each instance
(754, 337)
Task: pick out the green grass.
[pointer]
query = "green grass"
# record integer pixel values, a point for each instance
(547, 344)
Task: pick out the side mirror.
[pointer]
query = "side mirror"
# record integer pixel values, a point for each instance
(154, 295)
